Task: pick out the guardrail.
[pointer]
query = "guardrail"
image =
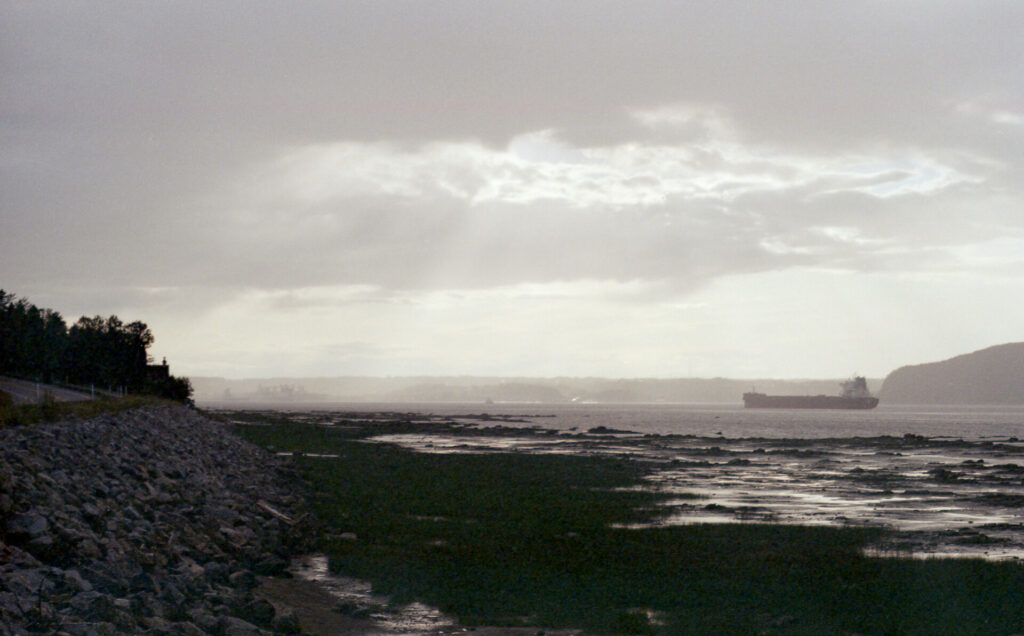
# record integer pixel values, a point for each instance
(91, 389)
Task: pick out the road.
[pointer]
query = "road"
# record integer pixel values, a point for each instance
(24, 392)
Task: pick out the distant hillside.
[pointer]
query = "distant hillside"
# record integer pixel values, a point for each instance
(990, 376)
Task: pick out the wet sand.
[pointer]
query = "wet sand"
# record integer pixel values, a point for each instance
(330, 605)
(943, 497)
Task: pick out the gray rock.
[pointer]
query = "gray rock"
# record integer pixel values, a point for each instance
(183, 628)
(12, 630)
(29, 581)
(147, 605)
(191, 569)
(143, 582)
(10, 606)
(6, 504)
(286, 622)
(260, 612)
(27, 526)
(89, 549)
(85, 628)
(91, 512)
(204, 620)
(104, 578)
(217, 572)
(126, 505)
(43, 546)
(16, 557)
(93, 606)
(74, 580)
(171, 594)
(157, 625)
(242, 578)
(232, 626)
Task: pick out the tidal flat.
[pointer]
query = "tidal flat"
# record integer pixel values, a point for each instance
(497, 520)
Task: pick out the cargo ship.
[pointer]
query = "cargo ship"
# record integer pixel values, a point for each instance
(855, 395)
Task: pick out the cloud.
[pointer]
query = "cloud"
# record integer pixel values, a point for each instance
(539, 166)
(542, 209)
(347, 161)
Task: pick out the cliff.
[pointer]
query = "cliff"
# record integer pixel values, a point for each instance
(990, 376)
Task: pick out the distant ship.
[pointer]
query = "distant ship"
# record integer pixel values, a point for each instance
(855, 395)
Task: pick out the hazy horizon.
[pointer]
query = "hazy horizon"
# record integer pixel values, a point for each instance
(506, 189)
(539, 377)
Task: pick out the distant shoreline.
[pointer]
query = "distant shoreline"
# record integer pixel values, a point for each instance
(501, 390)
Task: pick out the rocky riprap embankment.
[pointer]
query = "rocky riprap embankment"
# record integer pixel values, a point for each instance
(154, 521)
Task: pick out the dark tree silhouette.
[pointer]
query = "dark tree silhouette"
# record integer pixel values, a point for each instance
(36, 343)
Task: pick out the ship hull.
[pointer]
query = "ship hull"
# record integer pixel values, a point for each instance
(762, 401)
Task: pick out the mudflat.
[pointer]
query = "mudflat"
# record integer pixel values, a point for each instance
(499, 522)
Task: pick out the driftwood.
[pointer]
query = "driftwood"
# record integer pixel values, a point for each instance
(277, 514)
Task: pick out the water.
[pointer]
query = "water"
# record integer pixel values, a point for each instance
(969, 423)
(357, 597)
(948, 480)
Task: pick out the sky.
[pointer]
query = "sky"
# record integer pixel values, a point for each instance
(614, 189)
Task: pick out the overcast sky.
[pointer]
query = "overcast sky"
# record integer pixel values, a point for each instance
(620, 189)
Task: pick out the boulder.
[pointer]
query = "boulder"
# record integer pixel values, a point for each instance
(260, 612)
(233, 626)
(74, 580)
(27, 526)
(286, 622)
(148, 521)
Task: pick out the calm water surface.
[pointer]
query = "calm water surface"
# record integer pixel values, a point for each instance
(970, 423)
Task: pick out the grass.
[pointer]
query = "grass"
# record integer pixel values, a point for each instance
(521, 539)
(49, 409)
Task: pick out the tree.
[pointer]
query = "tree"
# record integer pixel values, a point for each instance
(138, 338)
(172, 388)
(37, 343)
(85, 362)
(54, 345)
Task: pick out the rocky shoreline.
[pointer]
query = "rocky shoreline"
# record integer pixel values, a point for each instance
(155, 521)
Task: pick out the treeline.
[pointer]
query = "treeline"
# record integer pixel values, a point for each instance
(37, 344)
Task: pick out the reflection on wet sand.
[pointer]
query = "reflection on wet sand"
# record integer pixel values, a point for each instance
(942, 496)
